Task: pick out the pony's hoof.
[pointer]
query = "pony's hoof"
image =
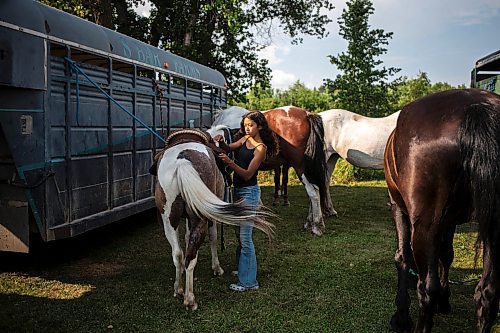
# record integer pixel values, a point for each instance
(317, 231)
(190, 303)
(286, 203)
(218, 271)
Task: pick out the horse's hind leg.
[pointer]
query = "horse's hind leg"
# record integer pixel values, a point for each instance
(284, 184)
(317, 223)
(212, 235)
(487, 291)
(446, 256)
(277, 187)
(332, 161)
(177, 254)
(425, 251)
(401, 320)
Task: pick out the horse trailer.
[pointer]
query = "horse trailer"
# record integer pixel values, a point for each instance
(80, 111)
(486, 73)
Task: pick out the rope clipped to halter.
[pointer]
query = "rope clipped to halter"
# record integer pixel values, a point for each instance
(228, 191)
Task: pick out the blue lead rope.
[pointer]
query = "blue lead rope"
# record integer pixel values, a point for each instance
(78, 69)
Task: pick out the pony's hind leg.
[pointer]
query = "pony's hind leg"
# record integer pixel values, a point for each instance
(212, 235)
(487, 291)
(401, 320)
(197, 235)
(177, 255)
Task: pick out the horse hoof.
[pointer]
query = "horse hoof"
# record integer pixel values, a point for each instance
(286, 203)
(190, 303)
(331, 213)
(192, 307)
(444, 308)
(401, 325)
(179, 293)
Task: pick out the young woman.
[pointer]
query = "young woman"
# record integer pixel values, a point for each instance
(252, 148)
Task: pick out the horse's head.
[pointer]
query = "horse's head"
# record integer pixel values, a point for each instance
(230, 117)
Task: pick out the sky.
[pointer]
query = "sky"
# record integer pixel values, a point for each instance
(443, 38)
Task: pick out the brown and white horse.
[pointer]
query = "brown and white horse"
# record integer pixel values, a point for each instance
(190, 185)
(301, 144)
(442, 166)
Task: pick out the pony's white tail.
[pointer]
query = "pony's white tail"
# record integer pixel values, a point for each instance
(206, 204)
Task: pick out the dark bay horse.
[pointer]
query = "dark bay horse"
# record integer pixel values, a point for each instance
(190, 185)
(301, 144)
(442, 165)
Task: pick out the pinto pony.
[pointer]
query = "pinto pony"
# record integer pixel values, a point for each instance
(301, 145)
(357, 139)
(190, 185)
(442, 167)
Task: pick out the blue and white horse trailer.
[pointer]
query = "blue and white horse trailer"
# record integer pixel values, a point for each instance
(83, 110)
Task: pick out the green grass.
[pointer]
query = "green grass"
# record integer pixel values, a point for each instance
(120, 278)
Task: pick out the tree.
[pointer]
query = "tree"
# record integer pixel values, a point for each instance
(406, 90)
(361, 86)
(117, 15)
(222, 34)
(314, 100)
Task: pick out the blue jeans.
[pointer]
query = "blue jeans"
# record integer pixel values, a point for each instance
(245, 252)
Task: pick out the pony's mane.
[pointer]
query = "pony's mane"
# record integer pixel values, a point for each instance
(213, 130)
(217, 113)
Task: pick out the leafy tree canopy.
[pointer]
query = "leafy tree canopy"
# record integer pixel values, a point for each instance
(222, 34)
(361, 86)
(406, 90)
(298, 94)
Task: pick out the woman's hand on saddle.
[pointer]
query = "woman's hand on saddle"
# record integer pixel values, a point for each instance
(219, 139)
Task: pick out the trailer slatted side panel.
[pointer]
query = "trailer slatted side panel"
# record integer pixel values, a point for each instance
(71, 159)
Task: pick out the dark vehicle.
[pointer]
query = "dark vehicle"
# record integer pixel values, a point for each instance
(486, 73)
(83, 110)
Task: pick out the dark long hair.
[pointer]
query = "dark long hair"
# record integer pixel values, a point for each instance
(268, 137)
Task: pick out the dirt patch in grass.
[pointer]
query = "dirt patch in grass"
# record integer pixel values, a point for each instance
(88, 269)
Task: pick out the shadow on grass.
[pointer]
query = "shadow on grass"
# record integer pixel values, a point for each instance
(122, 276)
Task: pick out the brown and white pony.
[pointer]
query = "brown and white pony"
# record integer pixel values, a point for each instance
(190, 185)
(442, 166)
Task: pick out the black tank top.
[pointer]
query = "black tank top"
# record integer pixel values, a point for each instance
(245, 156)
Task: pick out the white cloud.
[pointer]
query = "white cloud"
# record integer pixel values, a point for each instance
(143, 10)
(274, 53)
(282, 79)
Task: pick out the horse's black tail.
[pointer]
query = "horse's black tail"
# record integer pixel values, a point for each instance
(478, 138)
(315, 157)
